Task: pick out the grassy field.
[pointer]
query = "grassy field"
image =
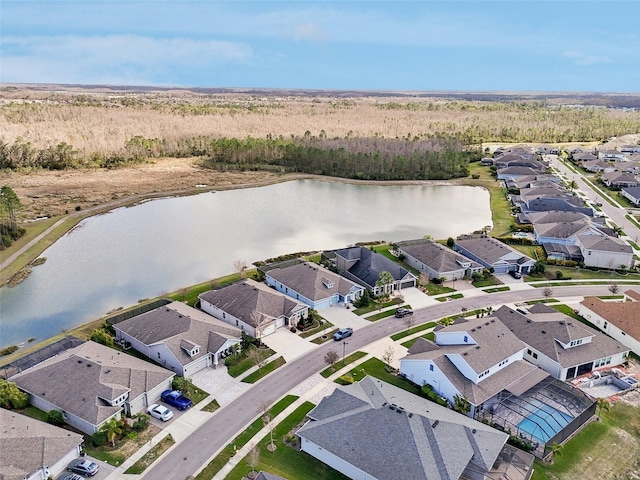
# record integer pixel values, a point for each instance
(151, 456)
(246, 363)
(264, 371)
(411, 331)
(605, 450)
(327, 372)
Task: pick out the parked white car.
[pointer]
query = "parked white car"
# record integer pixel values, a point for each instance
(160, 412)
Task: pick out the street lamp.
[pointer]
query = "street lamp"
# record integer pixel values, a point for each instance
(344, 347)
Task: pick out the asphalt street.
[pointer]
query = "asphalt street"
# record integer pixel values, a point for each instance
(195, 451)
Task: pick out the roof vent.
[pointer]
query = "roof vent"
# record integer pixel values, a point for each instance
(528, 320)
(88, 364)
(473, 329)
(410, 415)
(479, 327)
(569, 323)
(561, 322)
(543, 331)
(392, 406)
(464, 354)
(493, 320)
(477, 347)
(487, 323)
(435, 424)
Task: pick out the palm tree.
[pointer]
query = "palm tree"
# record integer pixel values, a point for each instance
(384, 281)
(555, 450)
(113, 428)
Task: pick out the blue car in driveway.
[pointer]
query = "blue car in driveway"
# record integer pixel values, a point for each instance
(176, 399)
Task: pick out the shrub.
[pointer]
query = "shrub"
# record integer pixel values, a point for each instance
(54, 417)
(559, 274)
(98, 439)
(11, 396)
(100, 335)
(141, 421)
(8, 350)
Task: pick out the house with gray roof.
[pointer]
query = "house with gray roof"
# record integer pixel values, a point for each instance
(33, 449)
(605, 251)
(618, 319)
(632, 194)
(492, 253)
(598, 166)
(560, 345)
(619, 180)
(253, 307)
(364, 267)
(484, 361)
(565, 233)
(609, 155)
(512, 173)
(374, 430)
(436, 260)
(91, 384)
(313, 285)
(179, 337)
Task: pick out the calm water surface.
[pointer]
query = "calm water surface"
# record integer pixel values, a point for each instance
(113, 260)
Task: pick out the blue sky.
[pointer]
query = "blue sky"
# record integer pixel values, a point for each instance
(365, 45)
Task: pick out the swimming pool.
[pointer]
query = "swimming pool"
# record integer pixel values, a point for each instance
(544, 422)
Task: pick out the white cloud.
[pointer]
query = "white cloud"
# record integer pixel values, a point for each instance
(585, 59)
(111, 58)
(310, 31)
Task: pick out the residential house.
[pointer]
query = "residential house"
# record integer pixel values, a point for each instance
(567, 204)
(181, 338)
(598, 166)
(253, 307)
(553, 216)
(32, 449)
(632, 194)
(563, 232)
(629, 149)
(482, 360)
(363, 266)
(583, 157)
(611, 155)
(312, 284)
(560, 345)
(511, 173)
(437, 261)
(604, 251)
(91, 384)
(619, 180)
(376, 431)
(492, 253)
(618, 319)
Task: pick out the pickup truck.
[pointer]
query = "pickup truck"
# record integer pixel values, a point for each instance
(176, 399)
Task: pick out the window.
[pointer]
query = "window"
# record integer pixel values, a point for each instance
(159, 355)
(236, 323)
(534, 355)
(431, 368)
(466, 339)
(528, 351)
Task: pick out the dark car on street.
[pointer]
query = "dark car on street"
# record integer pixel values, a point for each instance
(83, 466)
(176, 399)
(343, 333)
(403, 312)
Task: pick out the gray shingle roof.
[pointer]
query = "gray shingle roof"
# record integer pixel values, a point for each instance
(180, 326)
(370, 265)
(487, 248)
(423, 441)
(251, 301)
(312, 281)
(435, 256)
(28, 444)
(76, 380)
(542, 329)
(604, 243)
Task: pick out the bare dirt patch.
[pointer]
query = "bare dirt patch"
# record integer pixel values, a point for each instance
(53, 193)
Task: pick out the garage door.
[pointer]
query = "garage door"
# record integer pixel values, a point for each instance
(269, 330)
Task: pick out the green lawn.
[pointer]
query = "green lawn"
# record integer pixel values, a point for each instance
(497, 289)
(212, 406)
(287, 461)
(435, 289)
(609, 449)
(381, 315)
(327, 372)
(373, 306)
(151, 456)
(377, 368)
(411, 331)
(321, 326)
(227, 452)
(486, 282)
(245, 364)
(264, 370)
(450, 297)
(324, 338)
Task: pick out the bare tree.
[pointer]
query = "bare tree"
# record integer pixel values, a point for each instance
(408, 321)
(388, 356)
(423, 280)
(547, 292)
(240, 266)
(331, 357)
(255, 357)
(253, 459)
(266, 420)
(614, 288)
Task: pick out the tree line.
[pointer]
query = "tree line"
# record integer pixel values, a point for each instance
(373, 158)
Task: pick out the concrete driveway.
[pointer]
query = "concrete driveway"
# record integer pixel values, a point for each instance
(343, 317)
(288, 344)
(104, 472)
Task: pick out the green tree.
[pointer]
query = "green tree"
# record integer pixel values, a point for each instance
(11, 396)
(185, 385)
(461, 405)
(113, 429)
(385, 282)
(9, 207)
(54, 417)
(450, 242)
(602, 404)
(100, 335)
